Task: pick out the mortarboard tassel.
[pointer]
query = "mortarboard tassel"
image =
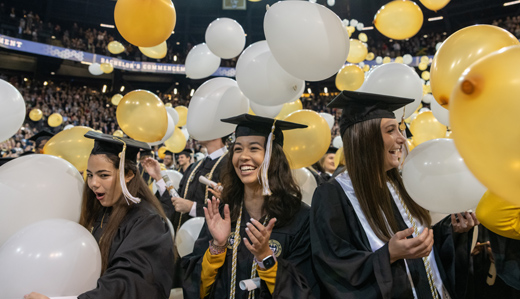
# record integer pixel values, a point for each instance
(265, 164)
(122, 182)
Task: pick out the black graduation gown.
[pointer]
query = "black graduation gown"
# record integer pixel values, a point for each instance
(294, 277)
(141, 257)
(346, 267)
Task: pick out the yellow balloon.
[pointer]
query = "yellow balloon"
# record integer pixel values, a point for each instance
(351, 29)
(459, 51)
(115, 47)
(72, 146)
(339, 158)
(183, 115)
(169, 105)
(289, 108)
(425, 75)
(387, 60)
(366, 68)
(161, 151)
(116, 99)
(55, 120)
(358, 51)
(177, 142)
(157, 52)
(370, 56)
(363, 37)
(499, 215)
(350, 77)
(425, 59)
(435, 5)
(35, 114)
(118, 133)
(303, 147)
(399, 19)
(142, 116)
(427, 89)
(426, 127)
(484, 118)
(145, 23)
(399, 59)
(107, 68)
(410, 144)
(422, 66)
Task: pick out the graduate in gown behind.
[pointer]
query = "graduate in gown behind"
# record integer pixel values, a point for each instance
(369, 238)
(263, 228)
(128, 223)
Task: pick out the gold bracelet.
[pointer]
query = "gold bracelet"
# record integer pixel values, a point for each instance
(215, 249)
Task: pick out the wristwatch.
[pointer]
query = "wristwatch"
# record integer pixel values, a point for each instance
(267, 263)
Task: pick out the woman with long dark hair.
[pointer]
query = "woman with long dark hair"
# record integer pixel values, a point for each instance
(369, 238)
(128, 223)
(259, 239)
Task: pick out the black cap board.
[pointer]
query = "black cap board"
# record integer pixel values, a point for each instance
(5, 160)
(168, 153)
(361, 106)
(109, 144)
(254, 125)
(41, 136)
(332, 150)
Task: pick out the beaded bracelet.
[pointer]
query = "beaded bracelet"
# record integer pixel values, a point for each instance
(215, 249)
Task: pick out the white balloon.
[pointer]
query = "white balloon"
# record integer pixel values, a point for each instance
(379, 59)
(69, 126)
(214, 100)
(307, 183)
(263, 80)
(428, 98)
(95, 69)
(169, 132)
(188, 234)
(328, 118)
(184, 131)
(337, 142)
(437, 178)
(308, 40)
(441, 114)
(39, 187)
(56, 257)
(12, 110)
(174, 114)
(353, 22)
(331, 2)
(407, 59)
(437, 46)
(360, 26)
(396, 79)
(201, 62)
(265, 111)
(175, 178)
(345, 22)
(225, 38)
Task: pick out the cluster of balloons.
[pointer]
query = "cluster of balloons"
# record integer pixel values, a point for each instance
(12, 110)
(72, 146)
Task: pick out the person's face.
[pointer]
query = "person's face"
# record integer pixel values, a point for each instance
(167, 160)
(103, 180)
(393, 141)
(183, 160)
(248, 155)
(328, 163)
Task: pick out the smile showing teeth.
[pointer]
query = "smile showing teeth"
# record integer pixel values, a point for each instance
(247, 168)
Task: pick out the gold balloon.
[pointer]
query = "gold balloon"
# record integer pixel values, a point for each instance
(399, 19)
(157, 52)
(115, 47)
(426, 89)
(145, 23)
(422, 66)
(142, 116)
(426, 127)
(425, 75)
(183, 115)
(35, 114)
(499, 215)
(303, 147)
(399, 59)
(410, 144)
(251, 111)
(161, 152)
(350, 77)
(71, 145)
(484, 118)
(339, 158)
(55, 120)
(387, 60)
(358, 51)
(289, 108)
(169, 105)
(107, 68)
(350, 30)
(434, 5)
(370, 56)
(366, 68)
(118, 133)
(459, 51)
(363, 37)
(116, 99)
(425, 59)
(177, 142)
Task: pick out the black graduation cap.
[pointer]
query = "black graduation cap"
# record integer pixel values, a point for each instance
(41, 136)
(168, 153)
(254, 125)
(109, 144)
(360, 106)
(185, 152)
(5, 160)
(332, 150)
(145, 153)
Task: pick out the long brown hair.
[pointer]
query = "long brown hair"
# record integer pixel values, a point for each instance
(282, 204)
(364, 156)
(90, 207)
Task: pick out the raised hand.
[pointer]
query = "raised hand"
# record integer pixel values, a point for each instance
(219, 227)
(400, 247)
(259, 236)
(152, 167)
(463, 223)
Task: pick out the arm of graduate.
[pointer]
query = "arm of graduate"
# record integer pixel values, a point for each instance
(141, 263)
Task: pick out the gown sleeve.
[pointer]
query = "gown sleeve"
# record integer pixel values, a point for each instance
(166, 203)
(141, 261)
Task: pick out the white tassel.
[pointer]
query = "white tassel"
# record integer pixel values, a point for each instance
(264, 168)
(126, 193)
